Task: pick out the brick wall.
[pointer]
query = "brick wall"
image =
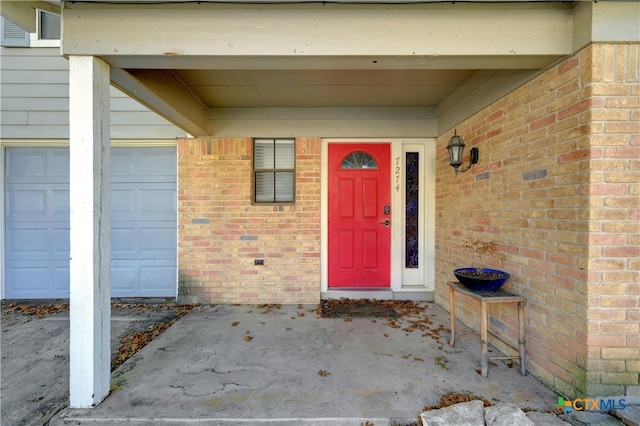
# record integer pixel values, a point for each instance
(558, 187)
(221, 233)
(613, 358)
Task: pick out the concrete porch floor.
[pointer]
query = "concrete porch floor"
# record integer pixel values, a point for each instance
(287, 365)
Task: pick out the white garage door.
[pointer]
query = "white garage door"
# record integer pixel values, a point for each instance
(143, 222)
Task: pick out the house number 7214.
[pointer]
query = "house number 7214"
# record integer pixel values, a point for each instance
(396, 175)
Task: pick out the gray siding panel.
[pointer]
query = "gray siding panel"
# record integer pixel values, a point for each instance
(26, 76)
(44, 104)
(37, 132)
(53, 118)
(14, 117)
(34, 83)
(35, 91)
(143, 132)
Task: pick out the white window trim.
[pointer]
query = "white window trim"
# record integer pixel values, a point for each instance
(34, 38)
(34, 41)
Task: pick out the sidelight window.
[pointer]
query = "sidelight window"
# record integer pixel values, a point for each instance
(412, 187)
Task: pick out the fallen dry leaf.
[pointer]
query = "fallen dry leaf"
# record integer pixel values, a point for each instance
(268, 308)
(453, 398)
(131, 343)
(37, 311)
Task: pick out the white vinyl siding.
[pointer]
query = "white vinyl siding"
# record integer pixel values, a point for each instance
(35, 101)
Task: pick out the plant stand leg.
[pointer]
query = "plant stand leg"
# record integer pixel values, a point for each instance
(452, 316)
(523, 359)
(483, 339)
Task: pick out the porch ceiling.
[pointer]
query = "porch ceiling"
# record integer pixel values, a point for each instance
(440, 57)
(322, 88)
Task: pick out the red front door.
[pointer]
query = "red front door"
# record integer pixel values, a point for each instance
(359, 215)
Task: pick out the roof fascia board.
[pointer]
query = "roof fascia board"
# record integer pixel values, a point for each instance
(316, 31)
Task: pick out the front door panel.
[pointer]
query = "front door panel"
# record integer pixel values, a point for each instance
(359, 215)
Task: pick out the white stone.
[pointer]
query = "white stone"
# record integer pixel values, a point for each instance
(545, 419)
(505, 415)
(463, 414)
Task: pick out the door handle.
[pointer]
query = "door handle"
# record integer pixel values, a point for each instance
(386, 222)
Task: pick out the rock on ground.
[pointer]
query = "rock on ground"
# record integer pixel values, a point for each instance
(545, 419)
(505, 415)
(463, 414)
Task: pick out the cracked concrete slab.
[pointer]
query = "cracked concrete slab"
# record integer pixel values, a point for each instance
(238, 364)
(35, 358)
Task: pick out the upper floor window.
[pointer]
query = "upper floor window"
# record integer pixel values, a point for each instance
(274, 170)
(48, 26)
(48, 29)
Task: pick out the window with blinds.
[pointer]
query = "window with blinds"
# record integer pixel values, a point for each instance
(274, 170)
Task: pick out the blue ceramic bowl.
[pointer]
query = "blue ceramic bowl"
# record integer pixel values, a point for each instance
(479, 282)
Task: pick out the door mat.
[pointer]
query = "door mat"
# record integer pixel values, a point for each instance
(357, 308)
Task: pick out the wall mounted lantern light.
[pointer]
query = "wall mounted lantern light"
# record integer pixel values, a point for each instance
(456, 150)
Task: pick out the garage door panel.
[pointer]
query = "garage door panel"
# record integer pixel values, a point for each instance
(123, 242)
(143, 222)
(35, 165)
(123, 205)
(157, 203)
(32, 279)
(27, 243)
(143, 241)
(61, 280)
(122, 165)
(25, 164)
(27, 202)
(60, 204)
(157, 242)
(24, 202)
(153, 202)
(152, 276)
(124, 279)
(130, 278)
(60, 243)
(58, 165)
(159, 165)
(37, 241)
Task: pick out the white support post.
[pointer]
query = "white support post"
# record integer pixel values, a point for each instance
(89, 197)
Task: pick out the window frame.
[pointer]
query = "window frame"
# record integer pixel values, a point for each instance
(36, 39)
(273, 170)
